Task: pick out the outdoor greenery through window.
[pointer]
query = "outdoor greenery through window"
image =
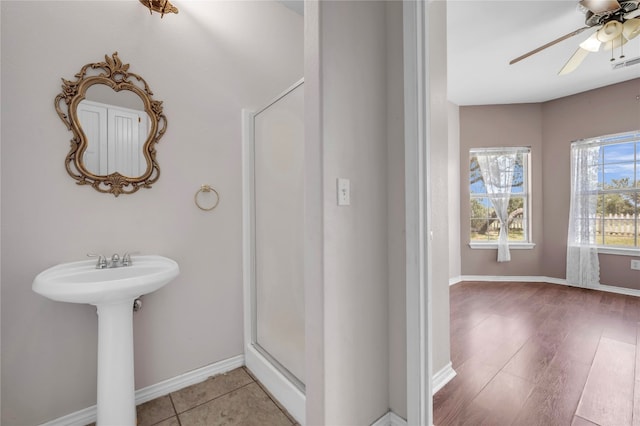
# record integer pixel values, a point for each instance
(617, 170)
(485, 222)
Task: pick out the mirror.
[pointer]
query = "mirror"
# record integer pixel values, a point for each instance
(116, 127)
(115, 124)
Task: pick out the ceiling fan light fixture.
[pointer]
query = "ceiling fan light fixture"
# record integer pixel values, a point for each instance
(615, 43)
(631, 28)
(592, 44)
(614, 22)
(160, 6)
(609, 31)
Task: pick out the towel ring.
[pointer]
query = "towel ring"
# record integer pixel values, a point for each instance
(206, 188)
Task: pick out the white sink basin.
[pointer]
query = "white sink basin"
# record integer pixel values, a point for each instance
(81, 282)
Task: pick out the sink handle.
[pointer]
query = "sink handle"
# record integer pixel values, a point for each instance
(102, 261)
(126, 259)
(115, 260)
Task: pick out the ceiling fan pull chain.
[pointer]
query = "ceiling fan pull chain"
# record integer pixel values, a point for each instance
(621, 46)
(612, 49)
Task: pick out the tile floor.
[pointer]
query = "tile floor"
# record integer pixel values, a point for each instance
(234, 398)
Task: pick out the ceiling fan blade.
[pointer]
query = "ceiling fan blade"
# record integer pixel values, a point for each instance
(600, 6)
(551, 43)
(574, 61)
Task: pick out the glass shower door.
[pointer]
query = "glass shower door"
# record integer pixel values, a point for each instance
(278, 302)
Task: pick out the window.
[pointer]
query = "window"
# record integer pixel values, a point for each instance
(614, 169)
(515, 193)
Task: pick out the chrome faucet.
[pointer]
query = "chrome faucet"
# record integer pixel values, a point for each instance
(115, 262)
(102, 261)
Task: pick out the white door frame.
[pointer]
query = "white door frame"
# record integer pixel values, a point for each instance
(418, 211)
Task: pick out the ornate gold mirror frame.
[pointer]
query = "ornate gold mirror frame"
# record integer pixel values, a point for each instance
(112, 73)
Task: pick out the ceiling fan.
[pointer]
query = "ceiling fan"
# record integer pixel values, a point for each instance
(616, 22)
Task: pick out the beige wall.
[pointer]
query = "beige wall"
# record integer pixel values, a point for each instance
(549, 128)
(501, 125)
(206, 63)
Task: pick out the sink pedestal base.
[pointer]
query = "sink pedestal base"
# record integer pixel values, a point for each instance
(116, 386)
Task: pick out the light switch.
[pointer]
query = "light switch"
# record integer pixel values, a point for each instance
(344, 192)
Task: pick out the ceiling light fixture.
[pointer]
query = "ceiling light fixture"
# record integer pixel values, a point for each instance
(160, 6)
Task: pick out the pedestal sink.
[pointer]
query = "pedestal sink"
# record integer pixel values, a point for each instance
(112, 291)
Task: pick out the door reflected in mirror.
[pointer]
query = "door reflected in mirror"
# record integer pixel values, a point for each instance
(115, 136)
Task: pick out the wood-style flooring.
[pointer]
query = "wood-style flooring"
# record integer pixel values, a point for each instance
(541, 354)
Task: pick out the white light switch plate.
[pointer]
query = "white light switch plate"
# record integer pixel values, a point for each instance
(344, 192)
(635, 264)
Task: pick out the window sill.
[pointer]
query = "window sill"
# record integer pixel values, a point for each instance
(620, 251)
(494, 246)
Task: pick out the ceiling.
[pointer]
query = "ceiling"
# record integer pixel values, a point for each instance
(483, 36)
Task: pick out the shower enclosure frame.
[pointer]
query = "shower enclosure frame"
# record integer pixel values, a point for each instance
(284, 386)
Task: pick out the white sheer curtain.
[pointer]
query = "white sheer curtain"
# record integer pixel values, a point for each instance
(497, 170)
(583, 268)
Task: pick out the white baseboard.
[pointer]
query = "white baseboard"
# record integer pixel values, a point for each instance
(455, 280)
(79, 418)
(550, 280)
(442, 377)
(390, 419)
(187, 379)
(89, 415)
(515, 278)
